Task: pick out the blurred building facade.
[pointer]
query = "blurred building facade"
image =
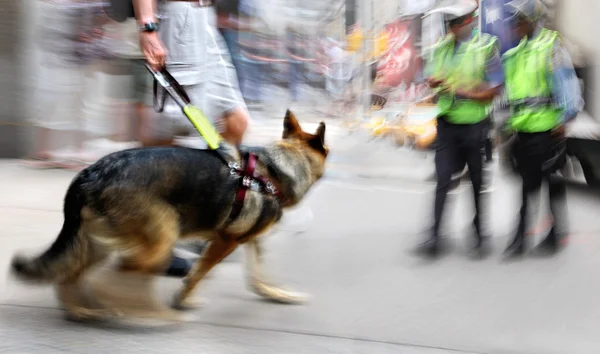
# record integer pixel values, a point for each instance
(13, 134)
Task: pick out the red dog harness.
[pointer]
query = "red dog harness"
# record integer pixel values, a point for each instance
(250, 181)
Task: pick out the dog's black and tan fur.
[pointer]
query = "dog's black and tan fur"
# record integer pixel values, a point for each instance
(139, 202)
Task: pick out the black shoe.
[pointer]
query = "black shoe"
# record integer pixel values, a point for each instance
(430, 248)
(516, 248)
(179, 267)
(549, 246)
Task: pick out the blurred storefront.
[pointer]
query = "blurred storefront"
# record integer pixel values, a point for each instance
(13, 79)
(37, 40)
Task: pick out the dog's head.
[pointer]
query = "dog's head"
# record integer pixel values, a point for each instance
(312, 144)
(294, 133)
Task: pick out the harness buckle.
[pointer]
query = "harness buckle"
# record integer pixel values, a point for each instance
(270, 188)
(234, 168)
(247, 181)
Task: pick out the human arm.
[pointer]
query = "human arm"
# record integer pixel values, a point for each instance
(566, 91)
(485, 93)
(494, 80)
(151, 45)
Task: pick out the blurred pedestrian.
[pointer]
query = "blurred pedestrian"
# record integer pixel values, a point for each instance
(192, 49)
(467, 70)
(338, 73)
(65, 49)
(125, 46)
(233, 20)
(199, 59)
(544, 95)
(233, 17)
(296, 52)
(257, 62)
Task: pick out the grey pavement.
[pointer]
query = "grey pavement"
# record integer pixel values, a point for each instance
(370, 294)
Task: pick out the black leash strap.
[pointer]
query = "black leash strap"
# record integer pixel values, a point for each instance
(168, 83)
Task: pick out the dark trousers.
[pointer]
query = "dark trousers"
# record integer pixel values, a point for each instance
(487, 143)
(457, 145)
(533, 151)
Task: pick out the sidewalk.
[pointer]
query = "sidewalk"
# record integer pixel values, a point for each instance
(370, 295)
(234, 321)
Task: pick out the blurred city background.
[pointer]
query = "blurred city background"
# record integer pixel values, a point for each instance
(68, 96)
(313, 57)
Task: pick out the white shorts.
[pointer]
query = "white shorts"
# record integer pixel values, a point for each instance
(199, 60)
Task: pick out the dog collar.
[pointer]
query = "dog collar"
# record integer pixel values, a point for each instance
(249, 181)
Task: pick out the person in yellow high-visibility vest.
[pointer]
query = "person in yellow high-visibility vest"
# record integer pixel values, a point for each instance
(467, 72)
(544, 94)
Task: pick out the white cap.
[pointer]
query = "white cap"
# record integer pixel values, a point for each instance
(454, 8)
(530, 10)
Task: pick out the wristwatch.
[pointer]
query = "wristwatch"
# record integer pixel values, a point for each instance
(148, 27)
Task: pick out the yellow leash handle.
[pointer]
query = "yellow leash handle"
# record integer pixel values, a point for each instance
(203, 126)
(194, 114)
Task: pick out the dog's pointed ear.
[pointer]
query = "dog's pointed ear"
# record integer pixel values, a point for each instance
(290, 125)
(321, 132)
(317, 141)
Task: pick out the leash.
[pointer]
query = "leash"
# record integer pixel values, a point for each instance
(246, 172)
(194, 114)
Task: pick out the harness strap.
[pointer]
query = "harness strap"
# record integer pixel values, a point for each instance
(245, 172)
(249, 181)
(245, 182)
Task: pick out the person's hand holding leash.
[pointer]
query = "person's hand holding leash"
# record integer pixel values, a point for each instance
(153, 49)
(150, 43)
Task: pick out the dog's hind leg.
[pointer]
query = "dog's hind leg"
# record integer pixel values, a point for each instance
(132, 295)
(78, 308)
(256, 277)
(217, 250)
(71, 293)
(146, 244)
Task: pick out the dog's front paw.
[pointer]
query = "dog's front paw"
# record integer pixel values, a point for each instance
(84, 314)
(278, 294)
(188, 303)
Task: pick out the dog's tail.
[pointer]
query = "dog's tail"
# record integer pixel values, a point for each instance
(57, 261)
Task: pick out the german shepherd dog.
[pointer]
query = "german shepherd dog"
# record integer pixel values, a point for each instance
(138, 203)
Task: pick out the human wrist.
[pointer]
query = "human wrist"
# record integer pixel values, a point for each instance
(149, 27)
(143, 34)
(146, 19)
